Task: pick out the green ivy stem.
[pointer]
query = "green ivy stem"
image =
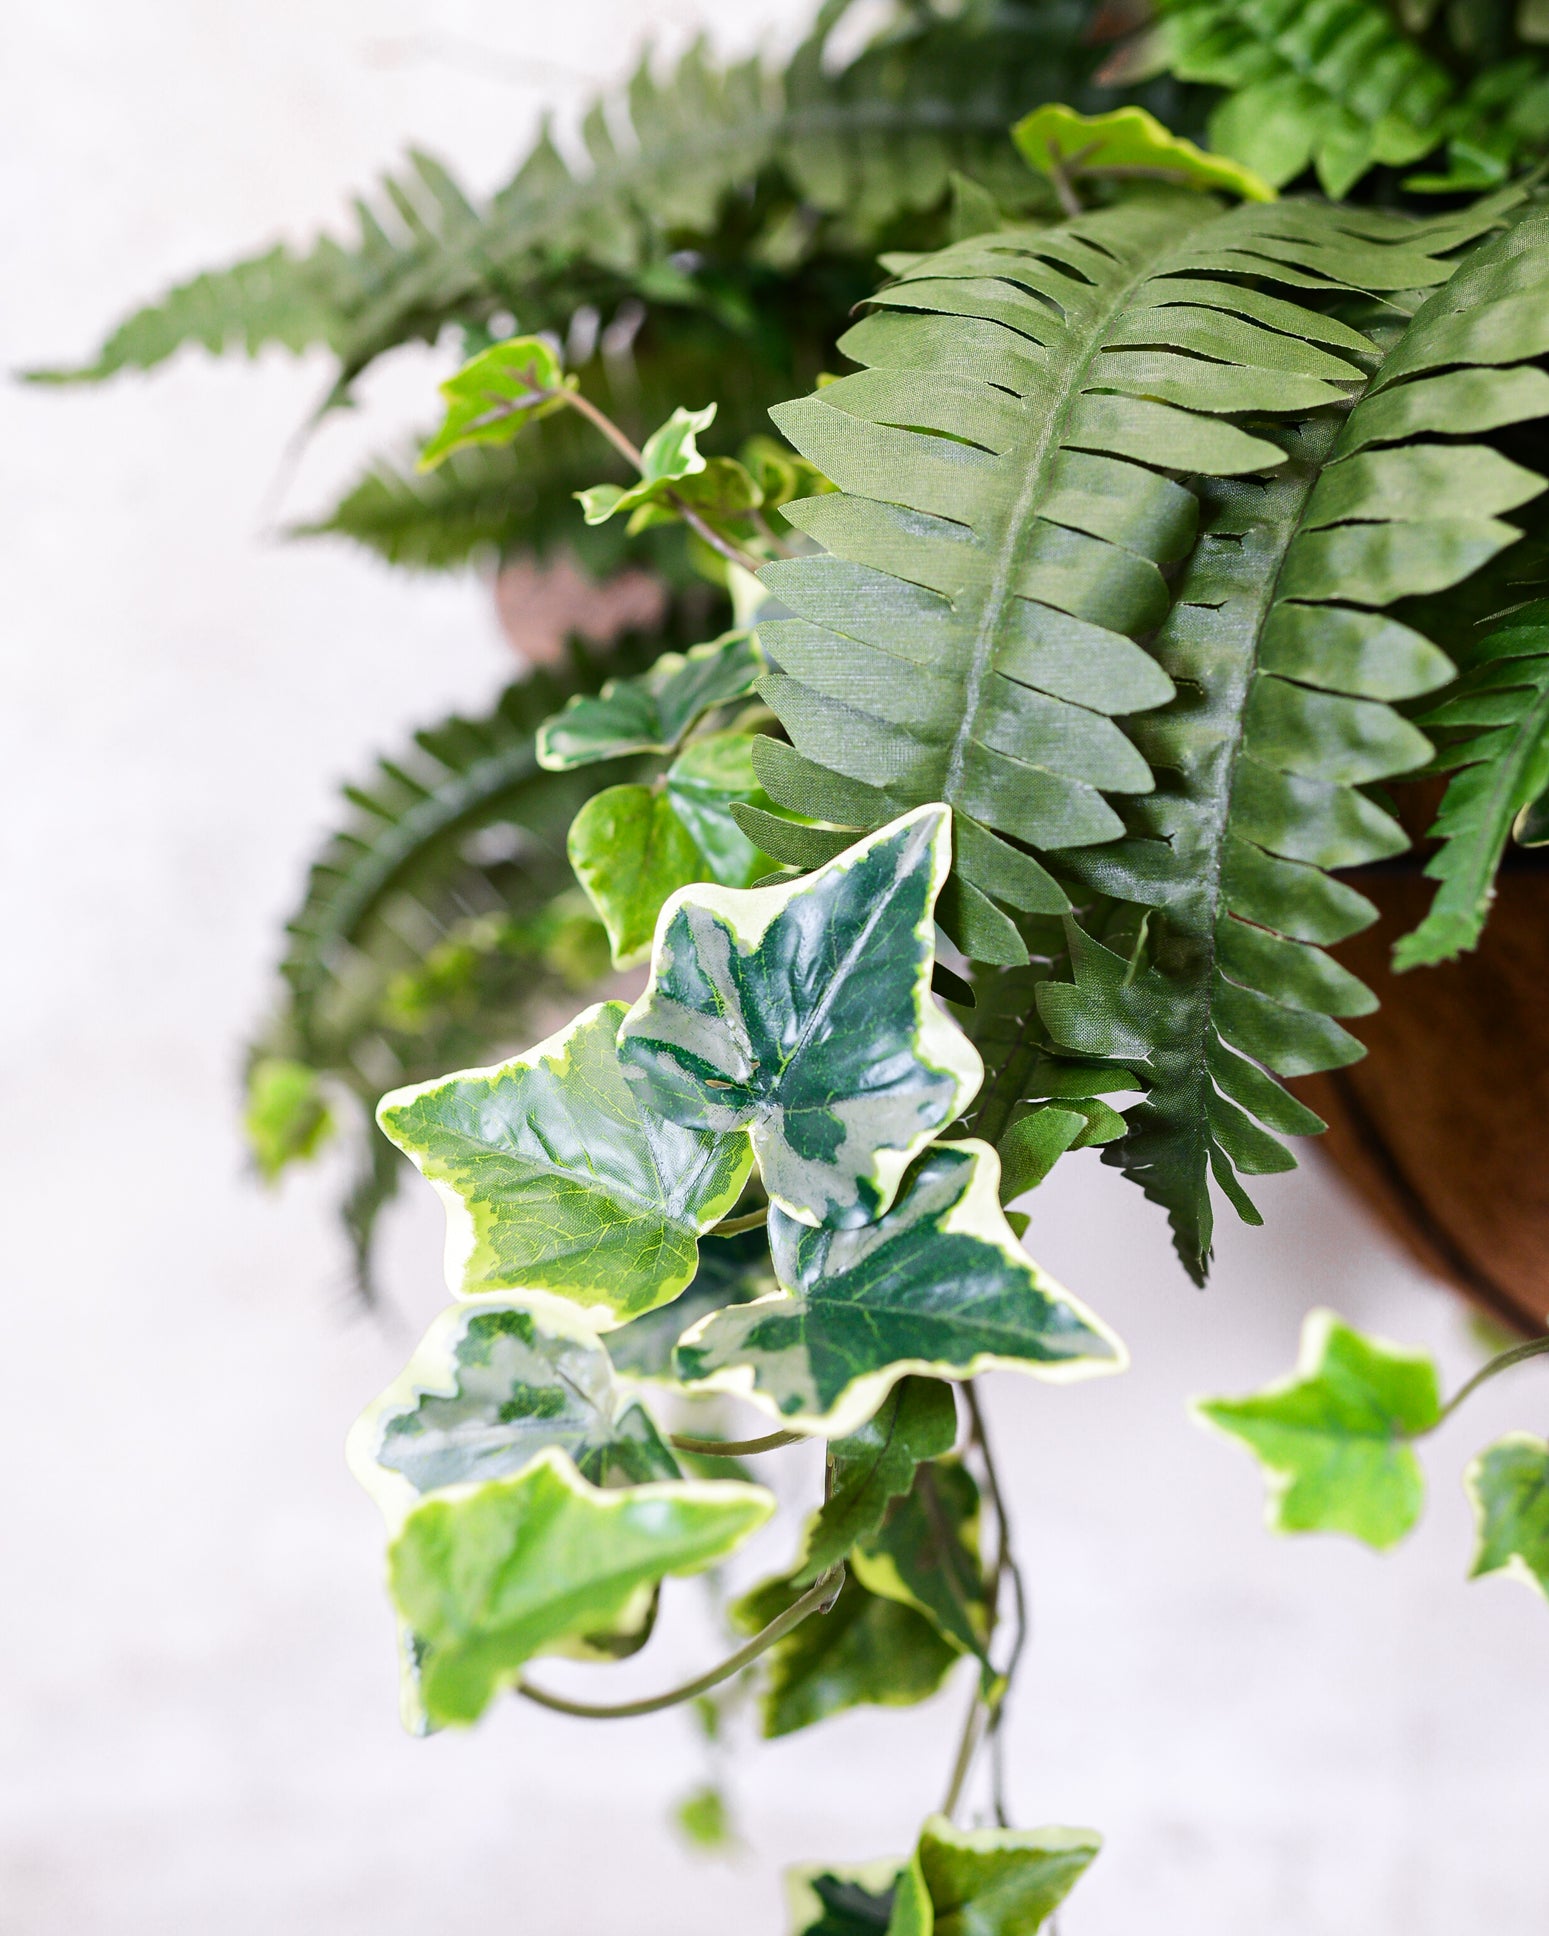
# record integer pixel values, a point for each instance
(817, 1599)
(734, 1226)
(734, 1448)
(1516, 1355)
(1007, 1566)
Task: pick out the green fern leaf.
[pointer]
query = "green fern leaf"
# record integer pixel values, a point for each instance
(1497, 718)
(1287, 663)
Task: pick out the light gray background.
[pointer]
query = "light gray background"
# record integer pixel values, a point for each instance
(197, 1724)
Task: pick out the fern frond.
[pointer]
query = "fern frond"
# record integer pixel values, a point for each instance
(1287, 661)
(1009, 502)
(1496, 720)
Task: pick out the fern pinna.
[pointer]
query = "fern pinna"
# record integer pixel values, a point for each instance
(1020, 463)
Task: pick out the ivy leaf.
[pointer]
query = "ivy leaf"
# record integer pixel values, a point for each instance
(989, 1882)
(723, 493)
(1509, 1487)
(489, 400)
(803, 1013)
(926, 1555)
(488, 1576)
(287, 1118)
(848, 1902)
(651, 712)
(555, 1179)
(1126, 142)
(1334, 1438)
(866, 1651)
(489, 1388)
(874, 1466)
(667, 455)
(633, 847)
(939, 1285)
(732, 1270)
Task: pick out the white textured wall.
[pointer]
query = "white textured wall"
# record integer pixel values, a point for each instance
(197, 1728)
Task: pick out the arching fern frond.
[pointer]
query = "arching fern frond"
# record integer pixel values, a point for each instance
(1287, 662)
(1009, 465)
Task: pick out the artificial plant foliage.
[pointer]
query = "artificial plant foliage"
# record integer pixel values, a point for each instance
(988, 1882)
(1334, 1438)
(937, 1286)
(1126, 144)
(667, 457)
(1509, 1487)
(490, 1386)
(802, 1013)
(489, 1575)
(287, 1118)
(854, 1901)
(1495, 722)
(633, 847)
(495, 393)
(732, 1270)
(555, 1179)
(652, 711)
(925, 1554)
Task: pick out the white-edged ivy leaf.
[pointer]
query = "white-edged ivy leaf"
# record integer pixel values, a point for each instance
(632, 847)
(489, 1576)
(866, 1651)
(1334, 1437)
(939, 1286)
(803, 1013)
(856, 1900)
(1124, 141)
(492, 397)
(666, 456)
(876, 1465)
(925, 1555)
(555, 1179)
(489, 1387)
(989, 1882)
(651, 712)
(732, 1270)
(1509, 1487)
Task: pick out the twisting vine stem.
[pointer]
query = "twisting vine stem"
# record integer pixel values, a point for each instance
(1516, 1355)
(733, 1448)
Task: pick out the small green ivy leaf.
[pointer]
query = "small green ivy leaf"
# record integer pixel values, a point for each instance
(490, 399)
(667, 455)
(854, 1901)
(1127, 142)
(723, 493)
(732, 1270)
(651, 712)
(926, 1555)
(633, 847)
(287, 1117)
(989, 1882)
(555, 1179)
(866, 1651)
(803, 1013)
(489, 1576)
(1509, 1487)
(704, 1820)
(1334, 1438)
(874, 1467)
(939, 1285)
(489, 1388)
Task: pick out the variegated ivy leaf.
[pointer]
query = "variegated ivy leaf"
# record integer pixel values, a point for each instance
(938, 1285)
(925, 1555)
(1509, 1486)
(853, 1901)
(1334, 1438)
(556, 1179)
(803, 1013)
(489, 1388)
(667, 455)
(732, 1270)
(634, 846)
(492, 397)
(488, 1576)
(989, 1882)
(651, 712)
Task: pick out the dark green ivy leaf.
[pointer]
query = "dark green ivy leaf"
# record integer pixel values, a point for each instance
(651, 712)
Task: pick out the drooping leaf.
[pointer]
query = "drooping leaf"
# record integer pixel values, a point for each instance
(938, 1285)
(732, 1270)
(874, 1466)
(1509, 1487)
(667, 456)
(1496, 720)
(866, 1651)
(925, 1555)
(287, 1117)
(488, 1576)
(651, 712)
(633, 847)
(1127, 142)
(803, 1013)
(1334, 1438)
(989, 1882)
(556, 1179)
(855, 1901)
(493, 395)
(489, 1388)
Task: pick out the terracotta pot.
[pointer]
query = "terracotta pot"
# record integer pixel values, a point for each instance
(1444, 1128)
